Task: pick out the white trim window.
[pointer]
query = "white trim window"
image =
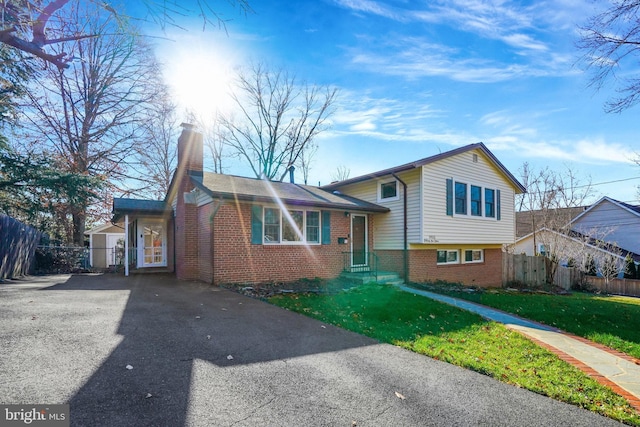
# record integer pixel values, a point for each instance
(472, 200)
(448, 256)
(461, 198)
(291, 227)
(388, 191)
(473, 256)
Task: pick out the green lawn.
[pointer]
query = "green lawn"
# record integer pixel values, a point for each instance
(458, 337)
(610, 320)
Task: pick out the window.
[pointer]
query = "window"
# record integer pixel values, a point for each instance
(468, 199)
(473, 255)
(271, 225)
(291, 227)
(447, 256)
(461, 198)
(313, 227)
(388, 190)
(476, 200)
(489, 203)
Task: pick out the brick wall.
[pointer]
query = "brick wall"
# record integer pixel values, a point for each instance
(391, 260)
(236, 260)
(423, 268)
(204, 242)
(186, 216)
(186, 236)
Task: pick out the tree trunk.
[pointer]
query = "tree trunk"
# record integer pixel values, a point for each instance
(79, 221)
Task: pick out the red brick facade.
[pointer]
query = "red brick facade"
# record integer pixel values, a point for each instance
(423, 268)
(227, 255)
(186, 215)
(213, 243)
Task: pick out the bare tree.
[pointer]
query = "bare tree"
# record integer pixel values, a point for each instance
(278, 119)
(341, 173)
(596, 250)
(90, 115)
(306, 159)
(611, 42)
(549, 199)
(25, 25)
(158, 155)
(213, 140)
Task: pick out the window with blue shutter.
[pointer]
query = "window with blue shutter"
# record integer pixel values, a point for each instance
(450, 197)
(256, 224)
(326, 227)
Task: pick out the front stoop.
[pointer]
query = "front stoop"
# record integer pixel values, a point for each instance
(151, 270)
(384, 277)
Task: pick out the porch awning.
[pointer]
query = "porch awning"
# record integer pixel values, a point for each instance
(124, 206)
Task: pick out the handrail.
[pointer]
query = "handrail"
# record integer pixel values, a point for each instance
(369, 263)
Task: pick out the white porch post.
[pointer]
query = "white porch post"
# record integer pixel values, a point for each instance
(126, 245)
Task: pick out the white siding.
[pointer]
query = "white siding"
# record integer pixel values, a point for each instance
(612, 223)
(388, 227)
(440, 228)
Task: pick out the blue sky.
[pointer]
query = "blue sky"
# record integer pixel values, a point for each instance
(416, 78)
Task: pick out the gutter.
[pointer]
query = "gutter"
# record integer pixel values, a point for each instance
(405, 222)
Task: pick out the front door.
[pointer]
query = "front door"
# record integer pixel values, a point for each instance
(358, 240)
(152, 245)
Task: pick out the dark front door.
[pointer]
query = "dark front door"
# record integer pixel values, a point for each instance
(358, 240)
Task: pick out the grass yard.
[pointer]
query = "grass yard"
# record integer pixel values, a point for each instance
(461, 338)
(610, 320)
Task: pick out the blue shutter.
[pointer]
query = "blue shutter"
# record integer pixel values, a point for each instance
(450, 197)
(326, 227)
(256, 224)
(498, 205)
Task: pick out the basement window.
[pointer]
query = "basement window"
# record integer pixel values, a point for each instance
(448, 256)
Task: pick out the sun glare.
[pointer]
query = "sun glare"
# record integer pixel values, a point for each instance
(200, 79)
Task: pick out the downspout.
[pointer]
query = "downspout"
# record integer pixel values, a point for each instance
(405, 238)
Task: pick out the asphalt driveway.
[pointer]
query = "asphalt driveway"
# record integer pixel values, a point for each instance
(204, 356)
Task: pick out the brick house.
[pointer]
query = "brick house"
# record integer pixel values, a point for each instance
(423, 220)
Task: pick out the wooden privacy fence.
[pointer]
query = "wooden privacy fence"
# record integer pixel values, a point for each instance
(18, 244)
(626, 287)
(523, 270)
(531, 271)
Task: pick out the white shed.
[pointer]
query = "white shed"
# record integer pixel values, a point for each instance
(106, 246)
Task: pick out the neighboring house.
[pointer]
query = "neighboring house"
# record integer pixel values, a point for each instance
(608, 227)
(444, 217)
(612, 221)
(573, 246)
(106, 246)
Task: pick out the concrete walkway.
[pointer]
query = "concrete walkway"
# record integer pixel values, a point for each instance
(616, 370)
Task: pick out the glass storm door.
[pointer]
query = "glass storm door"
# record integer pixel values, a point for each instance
(153, 243)
(358, 240)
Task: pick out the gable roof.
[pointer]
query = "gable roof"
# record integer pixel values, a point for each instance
(123, 206)
(419, 163)
(239, 188)
(580, 238)
(103, 228)
(634, 209)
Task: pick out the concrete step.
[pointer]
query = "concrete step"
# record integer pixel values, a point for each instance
(386, 277)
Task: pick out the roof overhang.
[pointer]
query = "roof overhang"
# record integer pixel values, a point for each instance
(357, 205)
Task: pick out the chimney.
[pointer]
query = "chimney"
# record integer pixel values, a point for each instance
(190, 149)
(292, 169)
